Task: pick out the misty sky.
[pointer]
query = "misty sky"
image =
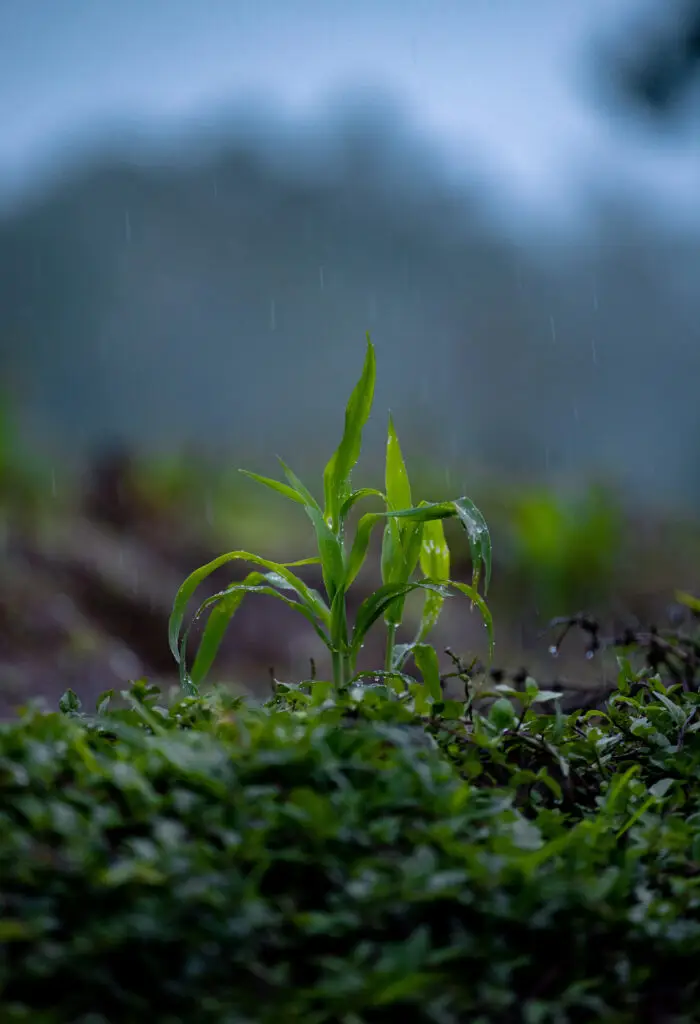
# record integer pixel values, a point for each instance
(499, 79)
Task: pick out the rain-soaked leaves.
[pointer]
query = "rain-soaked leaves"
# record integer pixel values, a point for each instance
(412, 535)
(363, 851)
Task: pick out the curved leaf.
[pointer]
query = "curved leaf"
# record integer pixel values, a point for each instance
(425, 511)
(352, 499)
(370, 609)
(225, 604)
(274, 485)
(475, 597)
(377, 603)
(329, 545)
(301, 488)
(310, 597)
(479, 539)
(425, 657)
(473, 522)
(360, 544)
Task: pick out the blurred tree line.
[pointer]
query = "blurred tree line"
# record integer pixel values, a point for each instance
(658, 70)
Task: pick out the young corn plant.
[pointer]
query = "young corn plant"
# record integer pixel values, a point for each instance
(413, 536)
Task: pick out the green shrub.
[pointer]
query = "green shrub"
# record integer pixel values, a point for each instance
(322, 859)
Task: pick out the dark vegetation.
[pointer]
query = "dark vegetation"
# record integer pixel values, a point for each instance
(357, 855)
(403, 843)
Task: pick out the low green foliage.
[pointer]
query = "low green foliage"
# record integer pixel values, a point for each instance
(353, 856)
(413, 537)
(359, 852)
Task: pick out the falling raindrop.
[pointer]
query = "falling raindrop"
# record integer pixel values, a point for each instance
(553, 328)
(554, 651)
(321, 278)
(590, 655)
(594, 352)
(273, 315)
(127, 226)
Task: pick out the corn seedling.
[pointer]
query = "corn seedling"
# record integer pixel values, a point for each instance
(413, 536)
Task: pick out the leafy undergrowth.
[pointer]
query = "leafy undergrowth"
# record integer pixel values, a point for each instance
(362, 855)
(366, 848)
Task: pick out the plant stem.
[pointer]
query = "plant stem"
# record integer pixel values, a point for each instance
(390, 641)
(338, 670)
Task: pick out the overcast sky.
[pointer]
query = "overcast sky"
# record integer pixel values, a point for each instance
(500, 78)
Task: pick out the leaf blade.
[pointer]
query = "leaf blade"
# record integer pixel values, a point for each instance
(336, 475)
(311, 598)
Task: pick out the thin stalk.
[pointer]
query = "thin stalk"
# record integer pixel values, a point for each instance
(390, 642)
(348, 668)
(338, 670)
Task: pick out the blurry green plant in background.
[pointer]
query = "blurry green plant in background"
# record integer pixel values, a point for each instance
(24, 479)
(564, 552)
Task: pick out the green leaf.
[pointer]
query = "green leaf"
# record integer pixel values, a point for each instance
(435, 563)
(300, 488)
(675, 710)
(224, 605)
(426, 511)
(476, 599)
(473, 522)
(434, 552)
(479, 539)
(352, 499)
(412, 543)
(311, 598)
(502, 714)
(275, 485)
(689, 601)
(398, 488)
(70, 703)
(336, 476)
(400, 655)
(360, 545)
(400, 553)
(377, 603)
(425, 657)
(103, 702)
(392, 558)
(330, 546)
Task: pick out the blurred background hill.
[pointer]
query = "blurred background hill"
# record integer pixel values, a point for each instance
(204, 207)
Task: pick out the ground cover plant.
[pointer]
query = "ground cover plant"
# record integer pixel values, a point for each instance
(361, 848)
